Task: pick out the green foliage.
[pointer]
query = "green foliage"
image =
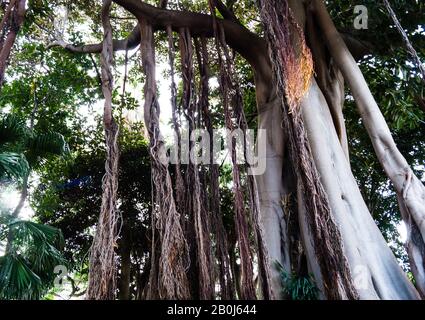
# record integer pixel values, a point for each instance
(70, 194)
(17, 280)
(12, 129)
(22, 148)
(58, 91)
(297, 287)
(33, 250)
(27, 268)
(13, 165)
(43, 145)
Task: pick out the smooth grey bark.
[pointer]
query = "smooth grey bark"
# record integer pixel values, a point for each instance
(329, 78)
(272, 190)
(410, 190)
(376, 273)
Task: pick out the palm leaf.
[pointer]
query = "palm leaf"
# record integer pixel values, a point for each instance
(44, 257)
(12, 129)
(13, 165)
(17, 280)
(28, 231)
(297, 287)
(41, 146)
(27, 271)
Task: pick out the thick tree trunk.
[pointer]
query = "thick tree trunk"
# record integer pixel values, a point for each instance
(272, 190)
(410, 190)
(329, 78)
(375, 270)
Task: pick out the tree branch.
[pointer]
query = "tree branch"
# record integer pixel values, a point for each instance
(357, 47)
(409, 188)
(406, 40)
(225, 11)
(252, 47)
(130, 43)
(96, 69)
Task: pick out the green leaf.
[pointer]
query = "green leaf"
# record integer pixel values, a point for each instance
(12, 129)
(17, 280)
(13, 165)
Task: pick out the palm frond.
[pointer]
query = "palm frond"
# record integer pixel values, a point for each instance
(12, 129)
(17, 280)
(27, 270)
(28, 231)
(13, 165)
(43, 145)
(296, 287)
(5, 219)
(44, 257)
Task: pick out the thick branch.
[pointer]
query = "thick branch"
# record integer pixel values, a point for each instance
(12, 23)
(6, 14)
(123, 44)
(163, 4)
(249, 45)
(238, 37)
(225, 11)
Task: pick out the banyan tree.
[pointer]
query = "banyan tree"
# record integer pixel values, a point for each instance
(305, 211)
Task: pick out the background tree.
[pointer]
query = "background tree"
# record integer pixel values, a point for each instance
(70, 193)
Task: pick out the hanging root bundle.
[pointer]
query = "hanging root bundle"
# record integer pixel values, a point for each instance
(189, 240)
(278, 23)
(169, 276)
(179, 184)
(221, 245)
(102, 271)
(296, 76)
(235, 119)
(198, 213)
(241, 224)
